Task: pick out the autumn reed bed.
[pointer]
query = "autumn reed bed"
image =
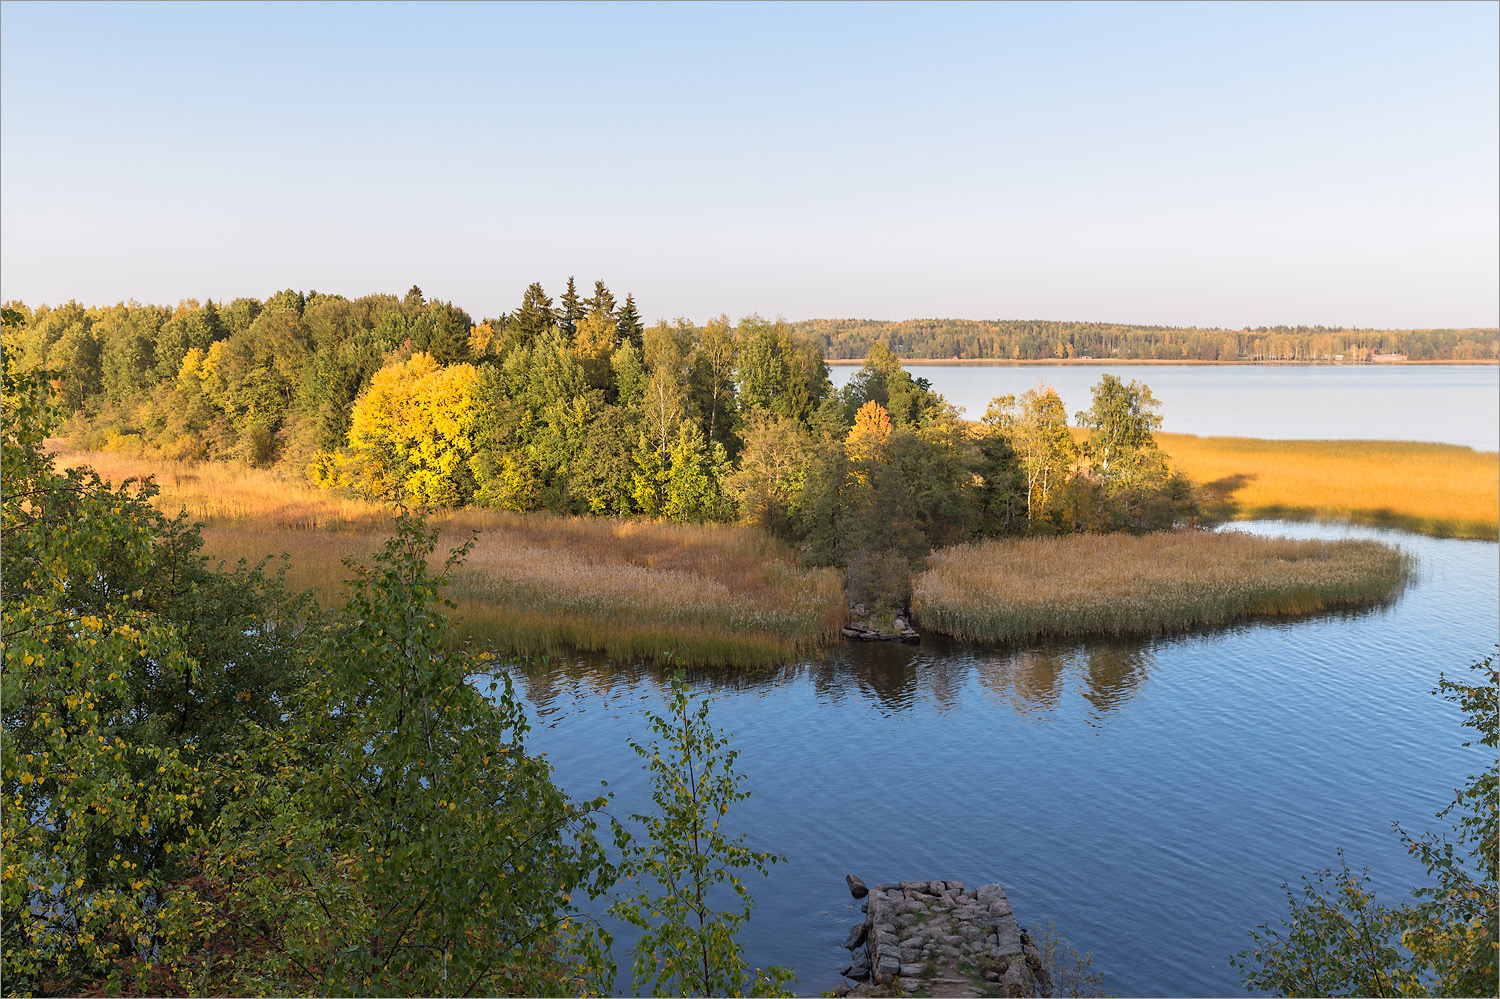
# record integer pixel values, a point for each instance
(699, 594)
(1078, 586)
(1439, 489)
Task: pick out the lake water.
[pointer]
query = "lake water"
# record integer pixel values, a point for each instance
(1452, 404)
(1148, 797)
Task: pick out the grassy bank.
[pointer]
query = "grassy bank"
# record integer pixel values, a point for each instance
(535, 583)
(1084, 585)
(1439, 489)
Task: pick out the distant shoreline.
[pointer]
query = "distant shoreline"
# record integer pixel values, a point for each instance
(1154, 361)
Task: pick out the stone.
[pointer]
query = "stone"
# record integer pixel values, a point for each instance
(856, 886)
(1017, 980)
(915, 886)
(841, 989)
(955, 886)
(911, 985)
(856, 935)
(887, 969)
(992, 975)
(1008, 938)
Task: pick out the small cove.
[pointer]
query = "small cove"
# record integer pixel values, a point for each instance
(1148, 796)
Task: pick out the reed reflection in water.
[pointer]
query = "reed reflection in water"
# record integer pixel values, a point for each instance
(894, 678)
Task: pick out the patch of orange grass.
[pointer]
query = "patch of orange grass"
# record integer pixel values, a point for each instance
(1080, 585)
(1439, 489)
(534, 583)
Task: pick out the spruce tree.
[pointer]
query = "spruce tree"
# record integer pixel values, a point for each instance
(602, 300)
(629, 322)
(572, 310)
(534, 317)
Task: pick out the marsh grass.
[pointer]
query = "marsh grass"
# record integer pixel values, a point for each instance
(1078, 585)
(1439, 489)
(699, 594)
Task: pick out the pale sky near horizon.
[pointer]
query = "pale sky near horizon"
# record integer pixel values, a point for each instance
(1230, 165)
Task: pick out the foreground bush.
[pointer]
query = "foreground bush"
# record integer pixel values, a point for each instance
(209, 792)
(1082, 585)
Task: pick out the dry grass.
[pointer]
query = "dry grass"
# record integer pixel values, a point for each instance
(1439, 489)
(535, 583)
(1120, 584)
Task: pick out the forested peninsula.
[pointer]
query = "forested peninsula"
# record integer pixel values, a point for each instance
(1044, 340)
(576, 407)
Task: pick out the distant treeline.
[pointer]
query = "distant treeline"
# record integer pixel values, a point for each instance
(1038, 340)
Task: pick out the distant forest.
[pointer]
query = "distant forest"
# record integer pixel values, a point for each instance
(1038, 340)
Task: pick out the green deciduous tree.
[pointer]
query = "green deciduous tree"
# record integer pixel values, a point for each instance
(773, 469)
(713, 365)
(686, 858)
(405, 843)
(129, 668)
(1121, 416)
(695, 476)
(1038, 434)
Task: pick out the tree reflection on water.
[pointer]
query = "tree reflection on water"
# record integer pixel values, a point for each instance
(1033, 681)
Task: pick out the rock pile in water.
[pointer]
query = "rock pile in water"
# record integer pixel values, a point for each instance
(866, 628)
(937, 938)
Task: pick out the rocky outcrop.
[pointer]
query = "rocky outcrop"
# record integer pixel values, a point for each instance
(873, 628)
(938, 938)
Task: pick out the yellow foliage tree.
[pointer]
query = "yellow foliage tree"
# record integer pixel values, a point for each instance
(412, 432)
(594, 343)
(872, 428)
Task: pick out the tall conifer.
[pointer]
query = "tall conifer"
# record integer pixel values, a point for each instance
(602, 299)
(629, 323)
(534, 317)
(572, 310)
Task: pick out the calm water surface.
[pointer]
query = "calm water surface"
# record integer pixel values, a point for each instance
(1452, 404)
(1148, 797)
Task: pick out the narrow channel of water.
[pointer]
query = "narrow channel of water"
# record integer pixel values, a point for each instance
(1149, 797)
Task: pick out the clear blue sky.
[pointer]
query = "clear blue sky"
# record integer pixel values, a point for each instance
(1218, 164)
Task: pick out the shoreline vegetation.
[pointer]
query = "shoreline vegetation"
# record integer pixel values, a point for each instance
(699, 494)
(715, 594)
(535, 583)
(1117, 585)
